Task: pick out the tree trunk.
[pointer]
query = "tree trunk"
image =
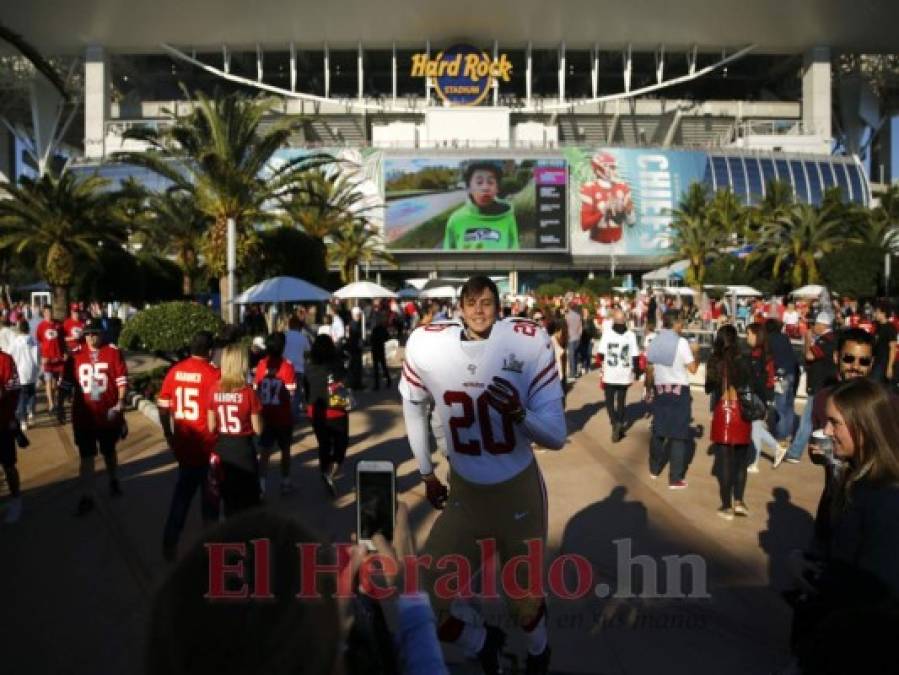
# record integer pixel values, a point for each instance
(225, 295)
(60, 302)
(186, 284)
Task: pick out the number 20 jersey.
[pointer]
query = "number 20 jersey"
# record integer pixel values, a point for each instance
(483, 446)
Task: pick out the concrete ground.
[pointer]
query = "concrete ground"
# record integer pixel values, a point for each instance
(76, 591)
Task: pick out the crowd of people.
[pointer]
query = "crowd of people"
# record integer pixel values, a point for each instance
(226, 409)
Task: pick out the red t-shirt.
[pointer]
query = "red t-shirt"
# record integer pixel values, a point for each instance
(9, 390)
(49, 335)
(94, 377)
(233, 410)
(186, 391)
(275, 391)
(74, 330)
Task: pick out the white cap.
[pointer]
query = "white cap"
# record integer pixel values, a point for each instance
(259, 341)
(356, 311)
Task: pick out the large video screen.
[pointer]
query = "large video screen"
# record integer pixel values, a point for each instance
(472, 204)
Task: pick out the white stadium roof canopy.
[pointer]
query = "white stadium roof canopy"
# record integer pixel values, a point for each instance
(776, 26)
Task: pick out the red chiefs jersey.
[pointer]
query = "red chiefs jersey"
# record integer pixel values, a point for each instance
(275, 389)
(9, 390)
(186, 391)
(605, 208)
(74, 331)
(233, 410)
(94, 378)
(49, 335)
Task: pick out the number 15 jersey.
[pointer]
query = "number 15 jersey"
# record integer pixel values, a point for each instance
(483, 445)
(185, 392)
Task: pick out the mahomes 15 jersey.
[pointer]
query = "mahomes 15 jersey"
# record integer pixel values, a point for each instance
(483, 445)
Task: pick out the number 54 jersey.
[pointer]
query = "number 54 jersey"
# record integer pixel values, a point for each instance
(483, 445)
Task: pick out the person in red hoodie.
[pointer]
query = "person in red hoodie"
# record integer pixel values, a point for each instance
(183, 404)
(276, 386)
(49, 335)
(9, 400)
(74, 328)
(97, 378)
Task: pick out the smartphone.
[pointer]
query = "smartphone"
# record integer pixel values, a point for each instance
(375, 501)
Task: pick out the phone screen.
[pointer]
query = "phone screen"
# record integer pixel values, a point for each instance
(376, 507)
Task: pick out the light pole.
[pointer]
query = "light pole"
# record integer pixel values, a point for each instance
(232, 269)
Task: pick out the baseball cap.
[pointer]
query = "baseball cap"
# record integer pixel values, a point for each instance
(824, 318)
(93, 326)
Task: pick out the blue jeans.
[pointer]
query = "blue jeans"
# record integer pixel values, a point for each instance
(675, 451)
(26, 402)
(760, 437)
(573, 357)
(783, 403)
(190, 478)
(804, 433)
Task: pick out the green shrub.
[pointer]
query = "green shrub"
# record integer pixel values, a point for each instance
(168, 327)
(149, 382)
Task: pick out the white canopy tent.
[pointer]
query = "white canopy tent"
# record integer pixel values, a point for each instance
(363, 289)
(812, 291)
(283, 289)
(439, 292)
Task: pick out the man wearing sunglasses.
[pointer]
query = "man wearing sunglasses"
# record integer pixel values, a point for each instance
(854, 357)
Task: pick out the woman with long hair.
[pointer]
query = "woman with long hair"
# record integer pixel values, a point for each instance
(729, 371)
(849, 584)
(235, 414)
(761, 364)
(328, 408)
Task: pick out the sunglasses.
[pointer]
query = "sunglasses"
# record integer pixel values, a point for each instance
(862, 360)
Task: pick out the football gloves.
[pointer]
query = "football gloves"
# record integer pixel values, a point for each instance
(436, 492)
(505, 399)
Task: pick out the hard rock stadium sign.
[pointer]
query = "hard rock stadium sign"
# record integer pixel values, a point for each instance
(462, 75)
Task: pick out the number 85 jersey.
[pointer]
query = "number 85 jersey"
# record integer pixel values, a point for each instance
(483, 445)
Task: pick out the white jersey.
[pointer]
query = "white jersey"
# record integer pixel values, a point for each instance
(618, 353)
(482, 446)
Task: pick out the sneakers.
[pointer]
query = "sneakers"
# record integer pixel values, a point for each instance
(678, 485)
(23, 425)
(491, 651)
(753, 468)
(653, 476)
(726, 512)
(740, 509)
(539, 664)
(780, 453)
(791, 460)
(85, 506)
(286, 486)
(617, 432)
(115, 490)
(13, 511)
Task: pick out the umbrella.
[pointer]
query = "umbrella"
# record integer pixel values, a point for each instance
(439, 292)
(811, 291)
(743, 291)
(678, 290)
(408, 293)
(283, 289)
(363, 289)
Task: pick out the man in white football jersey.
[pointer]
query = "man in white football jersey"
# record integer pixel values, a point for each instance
(495, 388)
(618, 347)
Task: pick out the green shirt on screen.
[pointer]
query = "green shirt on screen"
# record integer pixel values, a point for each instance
(468, 228)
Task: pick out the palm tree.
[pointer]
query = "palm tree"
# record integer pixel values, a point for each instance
(322, 203)
(728, 215)
(174, 226)
(354, 243)
(799, 239)
(62, 221)
(696, 236)
(221, 155)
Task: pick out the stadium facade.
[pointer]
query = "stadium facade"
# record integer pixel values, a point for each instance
(573, 103)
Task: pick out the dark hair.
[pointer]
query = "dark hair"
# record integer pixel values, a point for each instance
(23, 326)
(725, 352)
(884, 306)
(192, 635)
(671, 317)
(322, 350)
(857, 335)
(274, 345)
(476, 285)
(482, 166)
(773, 326)
(202, 344)
(761, 336)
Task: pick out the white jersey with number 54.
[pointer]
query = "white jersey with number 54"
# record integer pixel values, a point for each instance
(483, 445)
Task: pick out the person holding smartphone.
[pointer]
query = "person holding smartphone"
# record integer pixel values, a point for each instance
(235, 414)
(495, 387)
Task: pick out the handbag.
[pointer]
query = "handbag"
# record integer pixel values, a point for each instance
(729, 426)
(751, 405)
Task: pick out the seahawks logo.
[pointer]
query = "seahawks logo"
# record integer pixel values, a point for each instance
(481, 234)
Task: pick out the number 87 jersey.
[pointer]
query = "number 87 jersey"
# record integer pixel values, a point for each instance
(484, 445)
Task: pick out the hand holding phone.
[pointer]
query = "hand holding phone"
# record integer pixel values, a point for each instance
(375, 501)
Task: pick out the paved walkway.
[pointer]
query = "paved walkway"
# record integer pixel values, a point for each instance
(75, 592)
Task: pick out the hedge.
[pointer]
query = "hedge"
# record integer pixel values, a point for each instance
(168, 327)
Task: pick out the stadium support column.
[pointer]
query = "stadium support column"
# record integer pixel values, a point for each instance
(816, 98)
(96, 101)
(513, 282)
(7, 156)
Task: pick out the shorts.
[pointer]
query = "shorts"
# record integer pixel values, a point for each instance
(7, 448)
(88, 441)
(283, 436)
(52, 375)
